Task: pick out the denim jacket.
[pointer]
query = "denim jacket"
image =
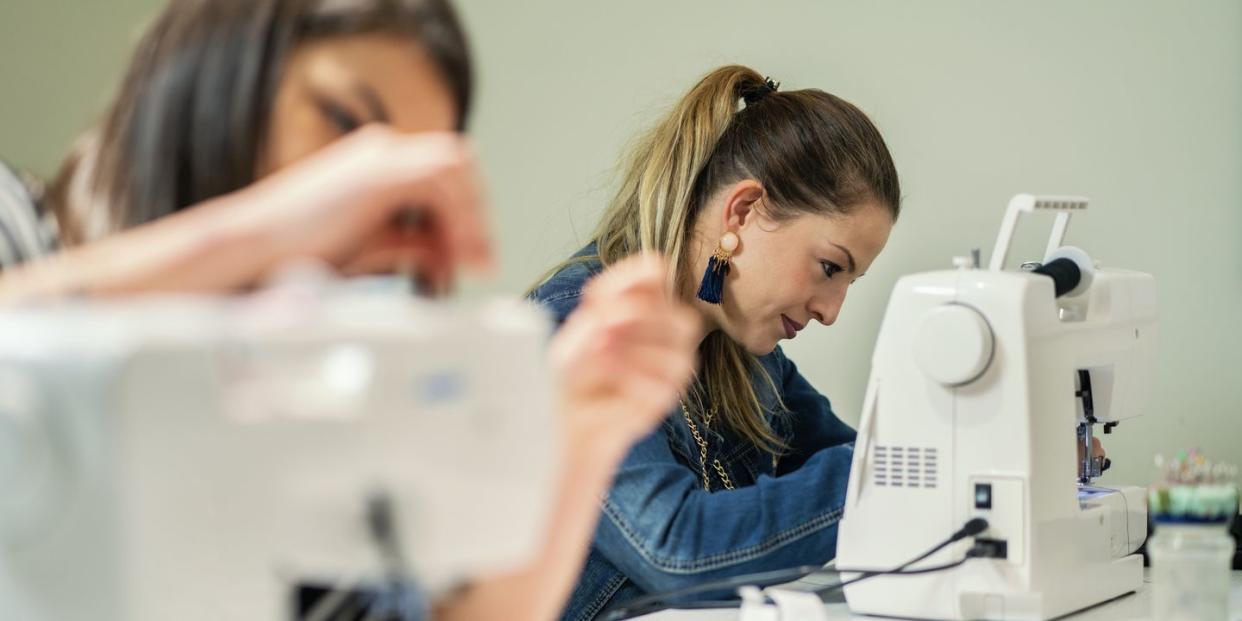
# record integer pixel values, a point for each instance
(661, 530)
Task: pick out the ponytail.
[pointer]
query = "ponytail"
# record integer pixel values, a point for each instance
(812, 152)
(654, 211)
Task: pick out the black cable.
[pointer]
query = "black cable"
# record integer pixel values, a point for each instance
(401, 599)
(659, 601)
(903, 572)
(760, 579)
(872, 574)
(396, 598)
(972, 527)
(629, 612)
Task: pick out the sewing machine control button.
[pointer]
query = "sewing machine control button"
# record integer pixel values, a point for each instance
(953, 344)
(983, 495)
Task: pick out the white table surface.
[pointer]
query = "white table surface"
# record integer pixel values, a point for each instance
(1134, 607)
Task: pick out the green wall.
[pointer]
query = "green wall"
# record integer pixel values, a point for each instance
(59, 65)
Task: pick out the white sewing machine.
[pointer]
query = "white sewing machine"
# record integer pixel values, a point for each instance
(979, 380)
(190, 459)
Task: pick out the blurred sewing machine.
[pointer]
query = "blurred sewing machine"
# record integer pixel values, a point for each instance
(180, 458)
(979, 381)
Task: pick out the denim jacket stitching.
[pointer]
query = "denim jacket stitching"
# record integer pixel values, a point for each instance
(683, 452)
(725, 559)
(739, 450)
(602, 597)
(562, 296)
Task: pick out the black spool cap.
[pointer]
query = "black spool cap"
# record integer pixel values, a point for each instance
(1064, 273)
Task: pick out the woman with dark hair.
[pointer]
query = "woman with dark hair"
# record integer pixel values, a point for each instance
(219, 95)
(249, 133)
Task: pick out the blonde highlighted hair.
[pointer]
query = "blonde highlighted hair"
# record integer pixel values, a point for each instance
(812, 152)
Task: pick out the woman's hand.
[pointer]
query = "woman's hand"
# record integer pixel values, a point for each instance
(1097, 452)
(625, 354)
(622, 357)
(375, 201)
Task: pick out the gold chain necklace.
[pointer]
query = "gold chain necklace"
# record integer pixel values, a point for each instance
(694, 431)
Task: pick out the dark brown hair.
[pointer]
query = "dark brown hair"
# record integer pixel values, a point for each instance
(188, 122)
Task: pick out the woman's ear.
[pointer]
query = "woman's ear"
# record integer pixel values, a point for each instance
(741, 201)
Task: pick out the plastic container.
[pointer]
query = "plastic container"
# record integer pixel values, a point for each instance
(1190, 571)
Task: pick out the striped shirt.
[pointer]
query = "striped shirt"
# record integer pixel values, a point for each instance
(27, 232)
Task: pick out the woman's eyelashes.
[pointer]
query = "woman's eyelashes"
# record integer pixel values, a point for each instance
(830, 268)
(339, 116)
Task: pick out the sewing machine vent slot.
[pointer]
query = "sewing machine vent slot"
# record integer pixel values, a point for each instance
(905, 466)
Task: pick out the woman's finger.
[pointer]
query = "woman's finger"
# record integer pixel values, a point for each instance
(638, 275)
(443, 181)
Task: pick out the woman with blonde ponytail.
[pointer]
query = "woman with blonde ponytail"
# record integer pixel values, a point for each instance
(767, 205)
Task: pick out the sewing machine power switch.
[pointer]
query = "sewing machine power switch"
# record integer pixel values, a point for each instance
(1001, 501)
(983, 495)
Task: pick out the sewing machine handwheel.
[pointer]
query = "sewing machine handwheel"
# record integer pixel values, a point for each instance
(953, 345)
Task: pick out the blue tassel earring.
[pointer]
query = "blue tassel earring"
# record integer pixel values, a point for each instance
(711, 289)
